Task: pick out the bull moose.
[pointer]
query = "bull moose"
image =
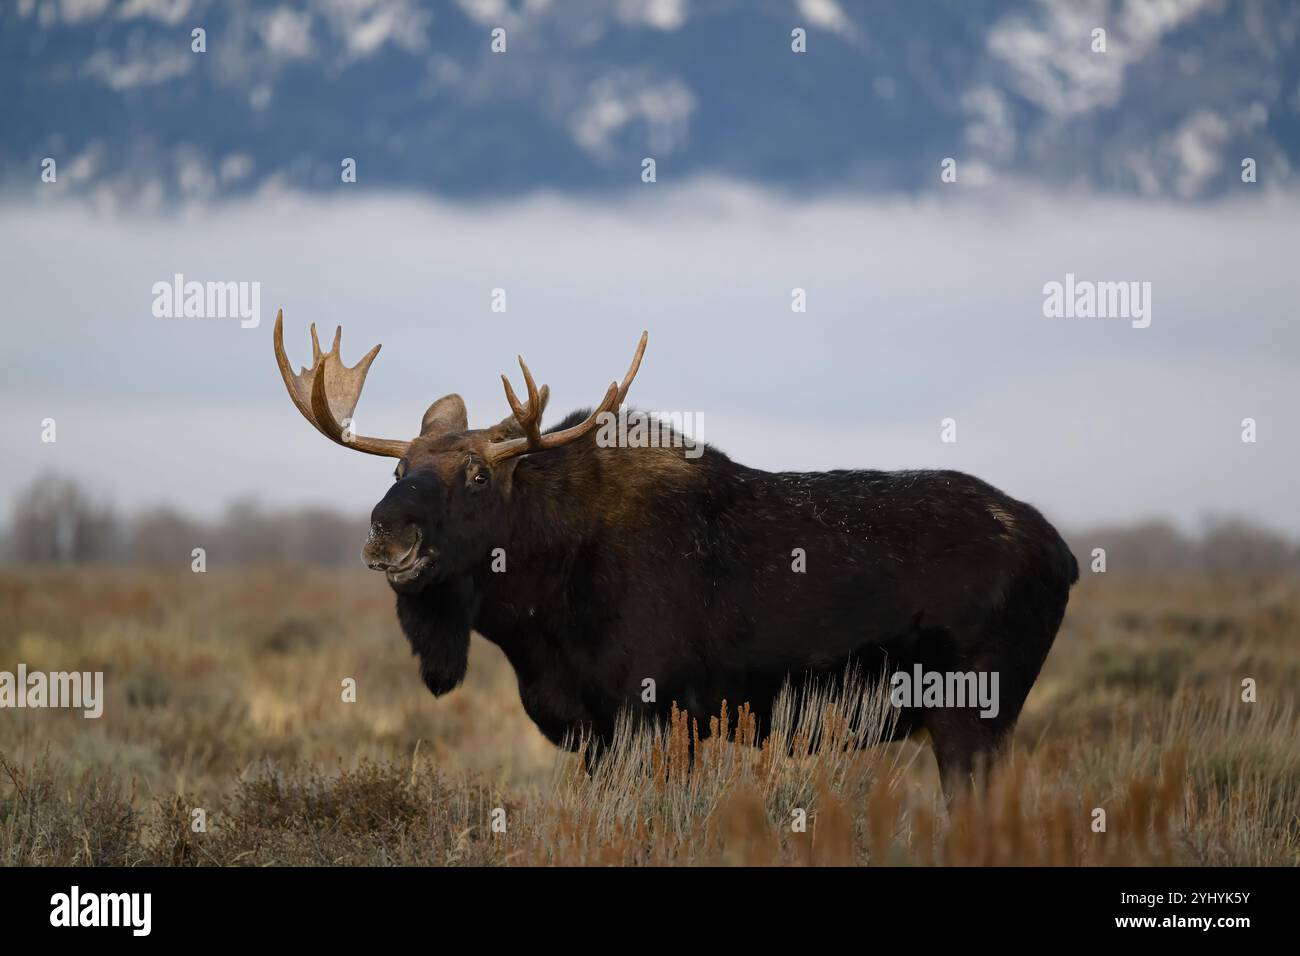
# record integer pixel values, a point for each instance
(630, 563)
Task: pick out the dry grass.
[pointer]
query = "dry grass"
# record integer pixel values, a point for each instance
(223, 692)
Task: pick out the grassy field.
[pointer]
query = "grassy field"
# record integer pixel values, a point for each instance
(223, 693)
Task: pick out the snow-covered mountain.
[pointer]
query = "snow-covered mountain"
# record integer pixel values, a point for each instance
(1013, 91)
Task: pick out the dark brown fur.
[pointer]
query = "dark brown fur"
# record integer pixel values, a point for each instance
(624, 565)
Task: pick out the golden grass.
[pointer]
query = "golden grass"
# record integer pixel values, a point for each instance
(223, 692)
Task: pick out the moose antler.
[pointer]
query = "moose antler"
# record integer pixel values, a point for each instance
(327, 392)
(530, 417)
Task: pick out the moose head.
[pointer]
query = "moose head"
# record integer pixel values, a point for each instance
(449, 505)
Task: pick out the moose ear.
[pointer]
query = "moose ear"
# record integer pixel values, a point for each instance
(445, 416)
(509, 426)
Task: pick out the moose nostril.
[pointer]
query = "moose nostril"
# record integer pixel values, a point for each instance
(375, 562)
(378, 551)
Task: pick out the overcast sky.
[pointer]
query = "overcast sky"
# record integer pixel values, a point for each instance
(918, 310)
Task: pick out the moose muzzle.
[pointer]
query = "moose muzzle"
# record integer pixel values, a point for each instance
(396, 552)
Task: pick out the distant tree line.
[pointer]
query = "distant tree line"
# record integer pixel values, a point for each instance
(56, 521)
(1225, 544)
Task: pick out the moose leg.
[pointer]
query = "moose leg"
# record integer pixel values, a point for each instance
(965, 748)
(595, 742)
(592, 754)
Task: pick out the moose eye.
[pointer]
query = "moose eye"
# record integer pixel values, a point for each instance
(480, 478)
